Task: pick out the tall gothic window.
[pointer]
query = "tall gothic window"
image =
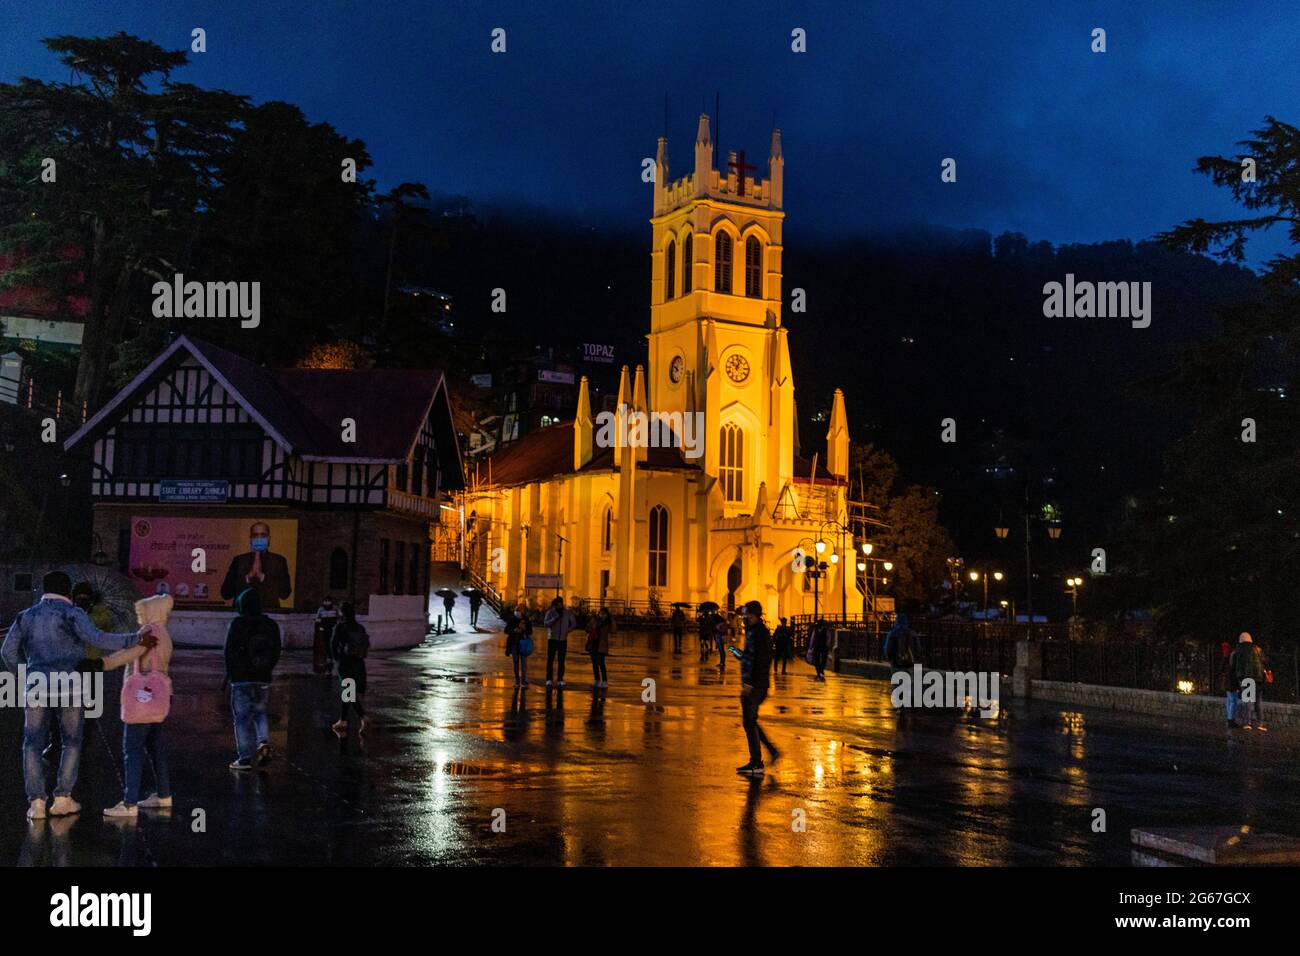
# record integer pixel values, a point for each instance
(731, 468)
(658, 547)
(607, 531)
(687, 244)
(722, 262)
(753, 268)
(670, 270)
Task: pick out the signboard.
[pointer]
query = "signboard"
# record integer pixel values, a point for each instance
(163, 559)
(481, 381)
(563, 378)
(548, 582)
(193, 489)
(594, 352)
(885, 604)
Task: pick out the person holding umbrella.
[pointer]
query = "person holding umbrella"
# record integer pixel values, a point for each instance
(448, 602)
(475, 602)
(707, 626)
(678, 623)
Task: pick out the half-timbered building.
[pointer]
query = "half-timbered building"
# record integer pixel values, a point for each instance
(210, 473)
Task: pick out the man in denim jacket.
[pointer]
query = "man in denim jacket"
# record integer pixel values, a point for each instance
(50, 639)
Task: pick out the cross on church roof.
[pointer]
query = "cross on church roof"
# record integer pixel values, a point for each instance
(738, 165)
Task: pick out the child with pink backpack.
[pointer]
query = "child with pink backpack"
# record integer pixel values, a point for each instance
(146, 701)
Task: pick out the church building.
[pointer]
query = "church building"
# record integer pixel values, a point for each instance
(620, 522)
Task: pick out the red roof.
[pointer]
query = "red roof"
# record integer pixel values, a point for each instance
(548, 452)
(36, 300)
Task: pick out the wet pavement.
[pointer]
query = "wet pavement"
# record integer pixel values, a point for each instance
(589, 777)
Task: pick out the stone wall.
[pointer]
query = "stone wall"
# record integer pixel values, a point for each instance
(1156, 702)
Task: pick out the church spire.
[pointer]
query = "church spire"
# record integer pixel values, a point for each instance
(776, 170)
(662, 176)
(837, 439)
(639, 405)
(582, 427)
(703, 156)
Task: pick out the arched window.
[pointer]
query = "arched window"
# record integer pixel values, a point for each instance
(607, 531)
(658, 547)
(753, 268)
(670, 270)
(731, 467)
(688, 243)
(722, 262)
(338, 570)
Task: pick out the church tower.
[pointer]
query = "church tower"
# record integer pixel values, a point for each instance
(716, 339)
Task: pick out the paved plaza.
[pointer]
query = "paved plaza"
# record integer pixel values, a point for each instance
(602, 778)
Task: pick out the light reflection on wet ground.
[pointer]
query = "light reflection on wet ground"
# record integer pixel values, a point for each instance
(605, 778)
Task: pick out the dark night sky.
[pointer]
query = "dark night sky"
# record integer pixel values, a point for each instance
(1051, 139)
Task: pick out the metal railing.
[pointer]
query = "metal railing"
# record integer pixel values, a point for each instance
(1185, 667)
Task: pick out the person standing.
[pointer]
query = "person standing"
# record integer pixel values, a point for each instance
(782, 646)
(327, 615)
(145, 741)
(519, 642)
(901, 644)
(559, 621)
(349, 645)
(1247, 663)
(678, 623)
(475, 602)
(755, 667)
(721, 628)
(821, 646)
(598, 645)
(252, 651)
(707, 626)
(448, 602)
(50, 639)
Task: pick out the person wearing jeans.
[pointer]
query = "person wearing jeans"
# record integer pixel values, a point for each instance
(559, 621)
(248, 700)
(50, 639)
(143, 743)
(252, 651)
(755, 668)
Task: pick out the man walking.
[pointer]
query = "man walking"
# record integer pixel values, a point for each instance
(50, 639)
(559, 621)
(755, 669)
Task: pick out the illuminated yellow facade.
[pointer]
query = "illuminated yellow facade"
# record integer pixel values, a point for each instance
(625, 522)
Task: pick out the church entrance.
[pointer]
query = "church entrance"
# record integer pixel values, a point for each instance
(733, 583)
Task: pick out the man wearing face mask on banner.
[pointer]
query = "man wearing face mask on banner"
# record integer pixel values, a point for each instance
(261, 569)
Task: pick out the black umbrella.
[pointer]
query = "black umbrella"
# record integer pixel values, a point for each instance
(708, 606)
(446, 593)
(681, 604)
(470, 592)
(109, 588)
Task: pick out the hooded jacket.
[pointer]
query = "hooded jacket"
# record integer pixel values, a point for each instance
(153, 611)
(252, 642)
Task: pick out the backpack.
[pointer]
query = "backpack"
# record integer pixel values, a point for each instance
(261, 649)
(357, 642)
